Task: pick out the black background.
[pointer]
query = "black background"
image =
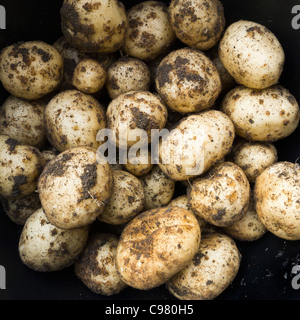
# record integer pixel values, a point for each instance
(265, 271)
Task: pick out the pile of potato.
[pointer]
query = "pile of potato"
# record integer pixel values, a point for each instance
(152, 66)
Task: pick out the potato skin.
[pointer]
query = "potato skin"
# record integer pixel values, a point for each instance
(30, 70)
(211, 271)
(265, 115)
(155, 245)
(277, 194)
(95, 266)
(187, 80)
(252, 54)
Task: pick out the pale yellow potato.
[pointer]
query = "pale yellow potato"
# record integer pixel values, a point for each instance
(31, 70)
(212, 270)
(139, 165)
(265, 115)
(155, 245)
(197, 23)
(187, 80)
(45, 248)
(252, 54)
(95, 266)
(74, 187)
(277, 194)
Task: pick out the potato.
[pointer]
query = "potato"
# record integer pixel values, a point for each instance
(21, 166)
(197, 23)
(89, 76)
(195, 144)
(277, 194)
(73, 119)
(265, 115)
(95, 266)
(135, 113)
(140, 165)
(188, 81)
(254, 157)
(74, 188)
(23, 121)
(150, 32)
(126, 201)
(155, 245)
(20, 209)
(46, 248)
(159, 189)
(49, 154)
(211, 271)
(252, 54)
(30, 70)
(249, 228)
(127, 74)
(94, 26)
(221, 197)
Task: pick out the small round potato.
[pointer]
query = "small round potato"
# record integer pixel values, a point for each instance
(254, 158)
(94, 26)
(211, 271)
(159, 189)
(127, 74)
(265, 115)
(126, 201)
(150, 32)
(252, 54)
(74, 188)
(155, 245)
(196, 144)
(73, 119)
(21, 166)
(23, 121)
(89, 76)
(277, 194)
(197, 23)
(188, 81)
(20, 209)
(95, 266)
(140, 165)
(131, 116)
(46, 248)
(31, 70)
(222, 196)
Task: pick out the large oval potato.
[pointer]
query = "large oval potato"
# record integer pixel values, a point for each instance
(265, 115)
(155, 245)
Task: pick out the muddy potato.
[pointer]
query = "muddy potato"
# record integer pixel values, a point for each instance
(21, 166)
(195, 144)
(126, 201)
(265, 115)
(23, 121)
(155, 245)
(252, 54)
(188, 81)
(95, 266)
(254, 157)
(49, 154)
(131, 116)
(30, 70)
(140, 164)
(249, 228)
(127, 74)
(198, 24)
(74, 188)
(150, 32)
(20, 209)
(221, 197)
(89, 76)
(211, 271)
(46, 248)
(159, 189)
(277, 194)
(73, 119)
(94, 26)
